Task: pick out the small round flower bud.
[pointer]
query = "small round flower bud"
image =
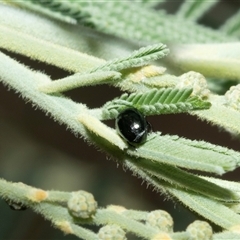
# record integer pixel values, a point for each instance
(111, 232)
(196, 81)
(232, 97)
(161, 220)
(82, 204)
(200, 230)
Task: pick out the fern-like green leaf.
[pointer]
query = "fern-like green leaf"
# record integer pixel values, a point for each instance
(111, 17)
(138, 58)
(155, 101)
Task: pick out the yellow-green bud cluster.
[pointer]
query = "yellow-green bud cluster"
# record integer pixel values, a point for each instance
(196, 81)
(161, 220)
(111, 232)
(232, 97)
(200, 230)
(82, 204)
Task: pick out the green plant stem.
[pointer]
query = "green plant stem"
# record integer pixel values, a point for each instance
(61, 219)
(104, 216)
(80, 80)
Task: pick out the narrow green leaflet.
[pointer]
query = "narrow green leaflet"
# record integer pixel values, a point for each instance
(202, 145)
(221, 115)
(232, 25)
(210, 209)
(195, 9)
(156, 101)
(137, 58)
(111, 17)
(185, 181)
(108, 72)
(233, 186)
(179, 152)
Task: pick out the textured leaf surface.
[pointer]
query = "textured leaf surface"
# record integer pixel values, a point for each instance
(210, 209)
(188, 154)
(184, 180)
(156, 101)
(138, 58)
(112, 17)
(221, 115)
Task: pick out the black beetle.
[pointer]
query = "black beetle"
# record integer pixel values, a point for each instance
(132, 126)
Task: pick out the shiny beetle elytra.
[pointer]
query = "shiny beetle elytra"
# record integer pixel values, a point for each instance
(132, 126)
